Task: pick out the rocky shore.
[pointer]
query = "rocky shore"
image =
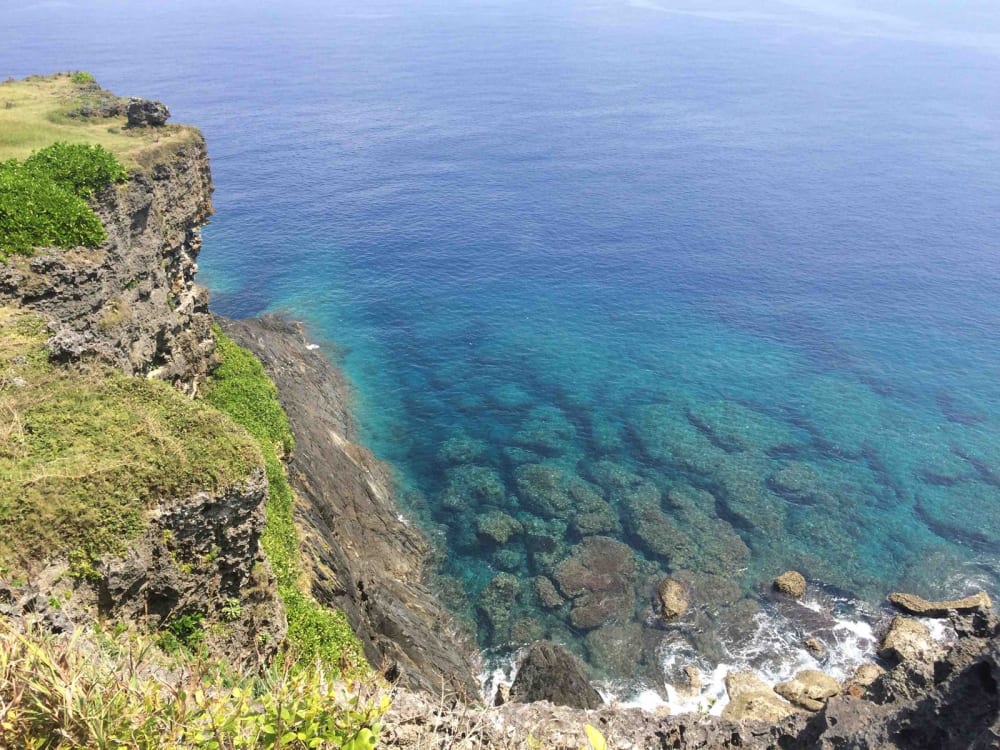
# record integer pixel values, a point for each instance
(365, 558)
(369, 561)
(132, 306)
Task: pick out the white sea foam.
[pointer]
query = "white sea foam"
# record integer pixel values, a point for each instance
(312, 347)
(773, 650)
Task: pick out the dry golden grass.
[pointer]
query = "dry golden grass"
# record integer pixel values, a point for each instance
(34, 114)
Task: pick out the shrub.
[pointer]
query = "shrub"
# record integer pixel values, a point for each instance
(82, 77)
(78, 167)
(42, 200)
(112, 693)
(36, 212)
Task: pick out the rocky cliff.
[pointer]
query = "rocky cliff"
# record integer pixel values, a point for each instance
(123, 499)
(364, 557)
(133, 301)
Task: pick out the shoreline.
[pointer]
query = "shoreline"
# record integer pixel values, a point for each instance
(855, 628)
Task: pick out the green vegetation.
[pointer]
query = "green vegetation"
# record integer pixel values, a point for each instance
(82, 76)
(184, 631)
(43, 200)
(81, 168)
(113, 692)
(84, 454)
(41, 110)
(36, 211)
(241, 389)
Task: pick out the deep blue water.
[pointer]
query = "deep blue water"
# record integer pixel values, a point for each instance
(718, 280)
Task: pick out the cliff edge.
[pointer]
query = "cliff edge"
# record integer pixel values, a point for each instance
(363, 556)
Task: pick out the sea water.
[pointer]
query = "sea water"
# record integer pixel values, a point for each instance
(717, 282)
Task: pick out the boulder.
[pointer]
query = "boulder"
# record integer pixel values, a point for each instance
(498, 527)
(908, 641)
(750, 698)
(548, 672)
(142, 113)
(915, 605)
(547, 594)
(673, 598)
(808, 689)
(857, 685)
(815, 647)
(690, 682)
(790, 583)
(502, 694)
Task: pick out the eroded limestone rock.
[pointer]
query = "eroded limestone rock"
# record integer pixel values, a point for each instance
(915, 605)
(548, 672)
(790, 583)
(673, 598)
(750, 698)
(809, 689)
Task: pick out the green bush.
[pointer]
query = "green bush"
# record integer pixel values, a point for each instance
(82, 76)
(78, 167)
(36, 212)
(42, 200)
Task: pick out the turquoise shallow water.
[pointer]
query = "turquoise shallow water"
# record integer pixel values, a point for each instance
(717, 282)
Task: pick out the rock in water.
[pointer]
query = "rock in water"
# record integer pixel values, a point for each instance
(915, 605)
(673, 598)
(752, 698)
(551, 673)
(908, 641)
(790, 583)
(815, 647)
(144, 113)
(808, 689)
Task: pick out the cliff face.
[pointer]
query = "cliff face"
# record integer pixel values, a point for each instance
(132, 302)
(131, 306)
(199, 557)
(364, 557)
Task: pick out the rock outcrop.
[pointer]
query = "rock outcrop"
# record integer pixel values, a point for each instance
(199, 558)
(915, 605)
(364, 557)
(673, 598)
(145, 113)
(549, 672)
(908, 641)
(790, 583)
(809, 689)
(133, 301)
(958, 710)
(752, 698)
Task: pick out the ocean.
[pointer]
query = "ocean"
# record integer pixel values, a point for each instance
(624, 290)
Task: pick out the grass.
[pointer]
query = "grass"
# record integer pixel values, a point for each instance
(83, 455)
(115, 692)
(35, 112)
(240, 388)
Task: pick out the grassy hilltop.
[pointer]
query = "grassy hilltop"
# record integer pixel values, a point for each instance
(41, 110)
